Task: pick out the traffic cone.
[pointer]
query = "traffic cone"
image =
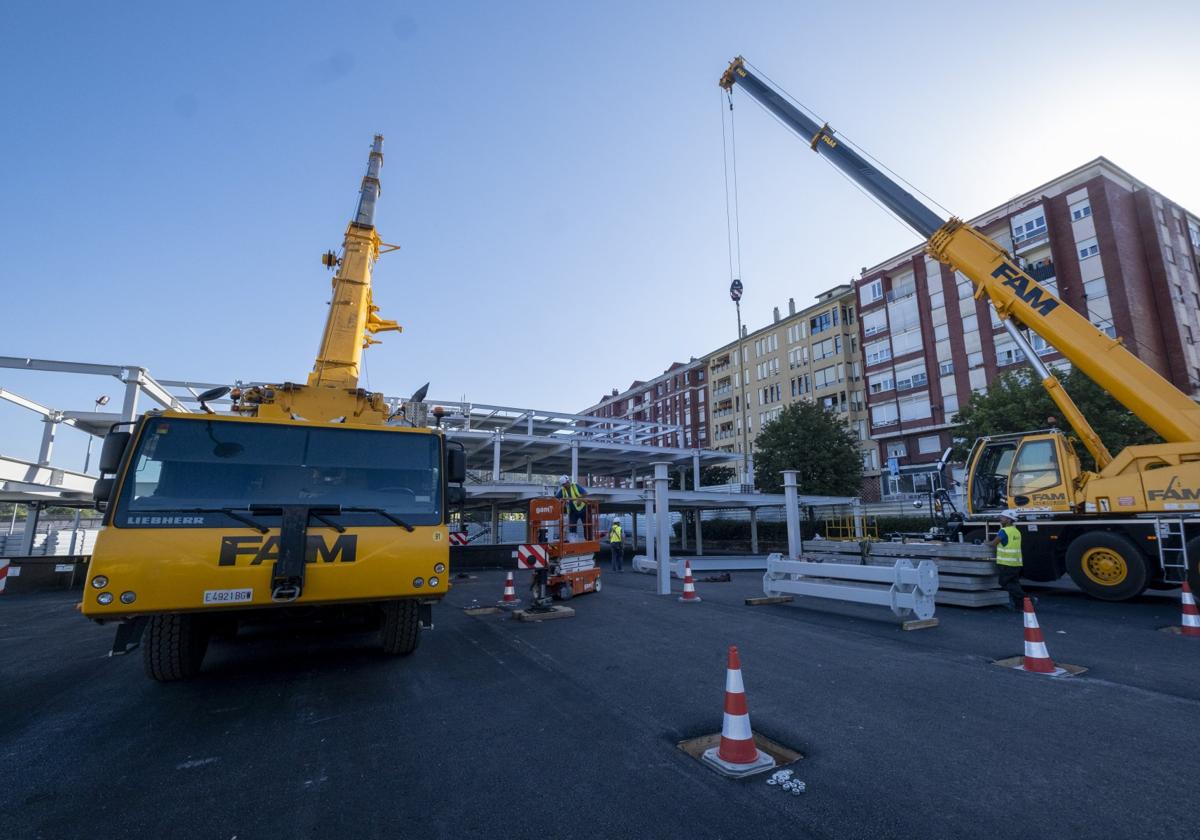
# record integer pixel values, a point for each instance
(1191, 618)
(736, 755)
(510, 598)
(1037, 658)
(689, 595)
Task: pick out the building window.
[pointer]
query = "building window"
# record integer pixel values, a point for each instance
(896, 449)
(1031, 229)
(885, 415)
(1081, 210)
(1088, 248)
(946, 368)
(870, 293)
(879, 351)
(950, 405)
(824, 321)
(874, 322)
(1170, 253)
(975, 359)
(932, 443)
(1093, 289)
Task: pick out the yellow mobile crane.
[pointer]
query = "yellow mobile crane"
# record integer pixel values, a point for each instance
(308, 499)
(1133, 523)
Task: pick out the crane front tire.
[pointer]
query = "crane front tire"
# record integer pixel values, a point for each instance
(400, 631)
(174, 646)
(1108, 566)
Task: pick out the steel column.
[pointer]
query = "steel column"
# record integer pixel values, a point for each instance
(662, 518)
(699, 535)
(495, 524)
(575, 460)
(696, 471)
(754, 530)
(129, 407)
(48, 431)
(32, 513)
(496, 457)
(791, 501)
(649, 524)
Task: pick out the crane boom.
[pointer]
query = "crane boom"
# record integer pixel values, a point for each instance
(352, 319)
(1012, 292)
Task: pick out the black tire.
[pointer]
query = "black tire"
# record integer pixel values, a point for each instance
(564, 592)
(174, 646)
(400, 632)
(1108, 566)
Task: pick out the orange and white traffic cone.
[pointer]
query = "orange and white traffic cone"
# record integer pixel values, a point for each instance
(1037, 658)
(737, 754)
(510, 598)
(1191, 618)
(689, 595)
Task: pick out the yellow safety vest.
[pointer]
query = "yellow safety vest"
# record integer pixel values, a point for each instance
(1010, 554)
(571, 491)
(614, 534)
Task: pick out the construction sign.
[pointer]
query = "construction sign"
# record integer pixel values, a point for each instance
(532, 556)
(459, 538)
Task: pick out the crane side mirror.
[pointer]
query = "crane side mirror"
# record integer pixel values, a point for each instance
(455, 496)
(102, 491)
(456, 466)
(113, 450)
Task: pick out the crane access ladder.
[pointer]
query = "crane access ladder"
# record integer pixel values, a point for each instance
(1172, 550)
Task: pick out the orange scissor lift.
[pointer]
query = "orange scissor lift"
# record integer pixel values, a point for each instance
(570, 550)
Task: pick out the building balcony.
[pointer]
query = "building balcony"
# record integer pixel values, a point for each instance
(724, 390)
(918, 381)
(895, 295)
(1041, 273)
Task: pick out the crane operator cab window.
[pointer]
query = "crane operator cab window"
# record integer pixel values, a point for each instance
(185, 464)
(989, 483)
(1035, 469)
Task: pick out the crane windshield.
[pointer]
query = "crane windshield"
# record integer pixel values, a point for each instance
(205, 465)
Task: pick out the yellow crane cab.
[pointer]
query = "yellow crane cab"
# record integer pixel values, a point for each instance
(1034, 472)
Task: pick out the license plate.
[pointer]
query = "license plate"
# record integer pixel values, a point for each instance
(228, 596)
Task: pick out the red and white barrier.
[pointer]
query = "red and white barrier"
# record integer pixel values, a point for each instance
(4, 564)
(532, 556)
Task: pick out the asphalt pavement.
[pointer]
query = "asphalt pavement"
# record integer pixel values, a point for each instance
(496, 728)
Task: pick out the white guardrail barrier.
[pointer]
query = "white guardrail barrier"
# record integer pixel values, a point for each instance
(911, 591)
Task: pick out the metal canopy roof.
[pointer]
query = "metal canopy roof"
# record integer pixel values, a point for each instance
(516, 439)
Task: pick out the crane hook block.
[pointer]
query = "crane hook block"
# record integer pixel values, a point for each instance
(329, 260)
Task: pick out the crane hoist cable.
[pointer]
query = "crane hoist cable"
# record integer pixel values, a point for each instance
(733, 228)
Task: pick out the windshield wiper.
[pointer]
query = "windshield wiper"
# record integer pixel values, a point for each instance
(228, 511)
(385, 514)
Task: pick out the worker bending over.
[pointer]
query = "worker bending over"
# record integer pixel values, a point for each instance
(1008, 558)
(573, 494)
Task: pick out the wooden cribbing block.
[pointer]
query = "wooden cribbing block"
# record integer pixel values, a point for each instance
(771, 599)
(919, 624)
(551, 614)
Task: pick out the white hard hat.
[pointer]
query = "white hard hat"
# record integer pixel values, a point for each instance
(1010, 514)
(562, 479)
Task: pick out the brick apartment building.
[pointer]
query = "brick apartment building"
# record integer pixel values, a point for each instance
(809, 355)
(1110, 247)
(676, 398)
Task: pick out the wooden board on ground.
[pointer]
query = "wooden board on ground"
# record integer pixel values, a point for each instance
(1015, 662)
(768, 599)
(548, 615)
(481, 610)
(919, 624)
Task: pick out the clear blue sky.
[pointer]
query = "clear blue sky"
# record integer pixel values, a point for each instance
(171, 172)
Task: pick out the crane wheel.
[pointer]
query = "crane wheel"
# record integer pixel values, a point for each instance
(174, 646)
(400, 631)
(564, 592)
(1107, 565)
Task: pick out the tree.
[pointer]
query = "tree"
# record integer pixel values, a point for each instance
(817, 444)
(709, 476)
(1017, 402)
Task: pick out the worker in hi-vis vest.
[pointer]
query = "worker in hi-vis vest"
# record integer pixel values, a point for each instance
(573, 494)
(616, 544)
(1008, 558)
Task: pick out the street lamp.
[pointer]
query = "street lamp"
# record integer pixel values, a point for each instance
(735, 294)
